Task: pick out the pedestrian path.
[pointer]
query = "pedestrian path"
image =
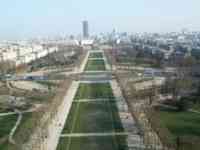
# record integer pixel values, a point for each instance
(94, 100)
(14, 113)
(95, 134)
(11, 140)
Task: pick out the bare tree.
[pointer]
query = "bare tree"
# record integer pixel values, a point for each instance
(6, 66)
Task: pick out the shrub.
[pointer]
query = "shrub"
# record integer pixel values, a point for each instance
(183, 104)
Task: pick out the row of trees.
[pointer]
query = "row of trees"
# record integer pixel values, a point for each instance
(140, 104)
(35, 131)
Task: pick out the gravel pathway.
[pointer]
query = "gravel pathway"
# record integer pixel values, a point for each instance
(94, 134)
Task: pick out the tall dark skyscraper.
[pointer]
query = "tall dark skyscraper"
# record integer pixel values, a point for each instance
(85, 29)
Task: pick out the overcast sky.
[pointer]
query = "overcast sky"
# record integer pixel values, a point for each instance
(32, 18)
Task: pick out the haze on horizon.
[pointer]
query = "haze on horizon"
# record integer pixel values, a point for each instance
(33, 18)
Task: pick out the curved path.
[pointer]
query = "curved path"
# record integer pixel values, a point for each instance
(23, 112)
(11, 140)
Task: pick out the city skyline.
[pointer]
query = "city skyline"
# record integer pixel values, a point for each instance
(26, 19)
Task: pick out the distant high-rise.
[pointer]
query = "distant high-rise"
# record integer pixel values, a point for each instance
(85, 29)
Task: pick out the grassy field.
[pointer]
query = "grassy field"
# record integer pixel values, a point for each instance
(6, 124)
(93, 117)
(94, 91)
(94, 143)
(25, 125)
(89, 117)
(99, 116)
(96, 55)
(5, 145)
(47, 83)
(137, 62)
(95, 65)
(181, 123)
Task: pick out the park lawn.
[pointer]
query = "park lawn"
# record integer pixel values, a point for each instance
(24, 130)
(47, 83)
(93, 143)
(125, 60)
(94, 91)
(137, 62)
(96, 55)
(5, 145)
(6, 124)
(90, 117)
(95, 65)
(180, 123)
